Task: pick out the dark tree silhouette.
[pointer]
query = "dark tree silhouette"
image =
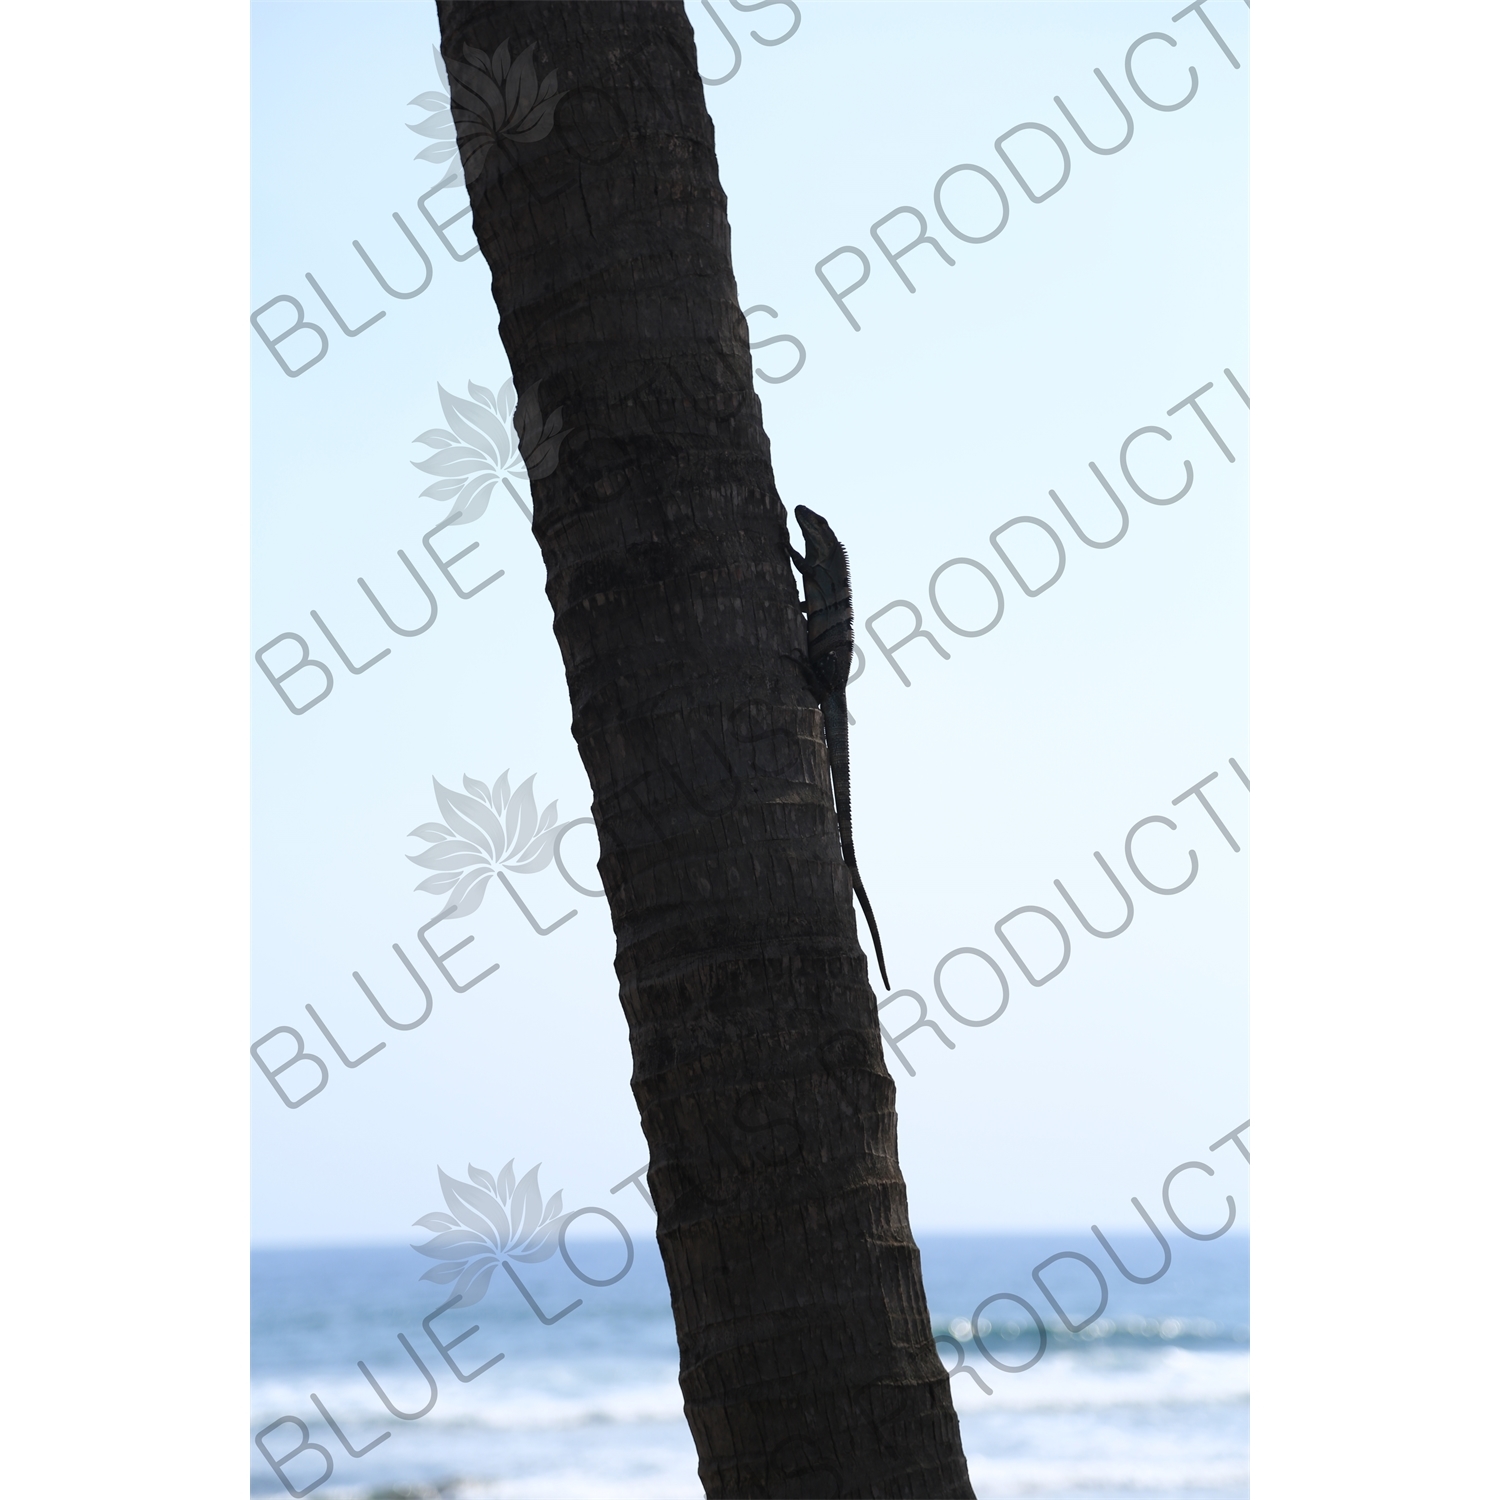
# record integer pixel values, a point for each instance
(808, 1361)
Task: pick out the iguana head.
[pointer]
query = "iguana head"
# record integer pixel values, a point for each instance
(820, 542)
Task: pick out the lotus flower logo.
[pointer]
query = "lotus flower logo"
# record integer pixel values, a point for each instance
(476, 451)
(491, 1218)
(483, 101)
(438, 126)
(489, 829)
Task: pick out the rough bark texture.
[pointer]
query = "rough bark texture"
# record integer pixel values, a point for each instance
(808, 1362)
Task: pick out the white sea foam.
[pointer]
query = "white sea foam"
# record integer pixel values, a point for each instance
(595, 1412)
(996, 1478)
(562, 1483)
(1068, 1381)
(1166, 1422)
(487, 1404)
(550, 1399)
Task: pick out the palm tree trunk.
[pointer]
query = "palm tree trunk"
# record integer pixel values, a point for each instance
(808, 1362)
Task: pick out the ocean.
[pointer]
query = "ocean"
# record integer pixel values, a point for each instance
(1151, 1399)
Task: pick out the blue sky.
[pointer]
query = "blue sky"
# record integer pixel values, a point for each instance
(953, 410)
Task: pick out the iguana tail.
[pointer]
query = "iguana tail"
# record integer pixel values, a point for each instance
(836, 722)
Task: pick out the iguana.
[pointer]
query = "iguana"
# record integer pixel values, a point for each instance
(830, 650)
